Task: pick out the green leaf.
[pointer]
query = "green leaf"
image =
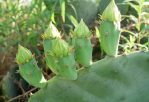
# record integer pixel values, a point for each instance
(52, 10)
(121, 79)
(136, 7)
(133, 18)
(97, 32)
(129, 32)
(73, 20)
(62, 4)
(52, 16)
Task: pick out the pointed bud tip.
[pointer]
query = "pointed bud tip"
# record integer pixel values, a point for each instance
(111, 12)
(51, 32)
(60, 48)
(23, 55)
(82, 30)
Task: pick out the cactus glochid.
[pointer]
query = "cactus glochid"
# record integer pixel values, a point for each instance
(82, 44)
(110, 29)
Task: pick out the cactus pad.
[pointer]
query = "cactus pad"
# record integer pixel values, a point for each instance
(121, 79)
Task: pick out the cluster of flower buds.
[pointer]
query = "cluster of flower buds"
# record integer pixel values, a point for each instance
(59, 56)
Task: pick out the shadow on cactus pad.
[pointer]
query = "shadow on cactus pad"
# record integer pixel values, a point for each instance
(121, 79)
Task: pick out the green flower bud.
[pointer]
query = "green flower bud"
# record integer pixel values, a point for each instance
(83, 51)
(61, 59)
(111, 13)
(60, 48)
(67, 67)
(23, 55)
(32, 73)
(81, 30)
(51, 32)
(29, 69)
(109, 37)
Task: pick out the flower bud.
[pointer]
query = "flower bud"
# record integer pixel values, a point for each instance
(60, 48)
(111, 13)
(23, 55)
(81, 30)
(83, 51)
(109, 37)
(51, 32)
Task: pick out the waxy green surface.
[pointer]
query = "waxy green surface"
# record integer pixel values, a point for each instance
(121, 79)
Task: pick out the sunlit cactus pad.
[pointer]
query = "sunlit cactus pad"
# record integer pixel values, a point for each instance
(121, 79)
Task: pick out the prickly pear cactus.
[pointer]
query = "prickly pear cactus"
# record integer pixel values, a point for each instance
(112, 79)
(121, 79)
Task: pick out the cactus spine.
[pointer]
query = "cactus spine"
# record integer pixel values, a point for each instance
(82, 43)
(110, 29)
(59, 57)
(28, 68)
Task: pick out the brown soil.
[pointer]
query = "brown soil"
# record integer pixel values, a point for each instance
(7, 60)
